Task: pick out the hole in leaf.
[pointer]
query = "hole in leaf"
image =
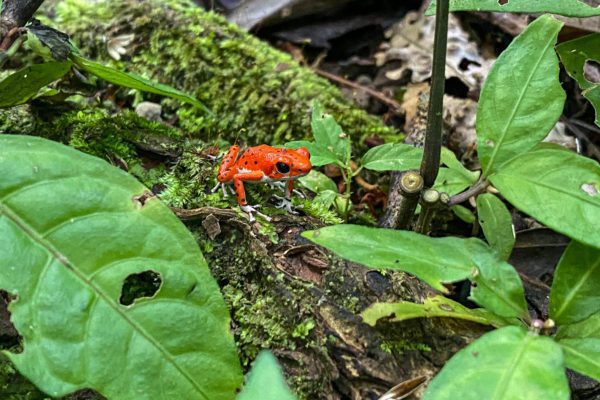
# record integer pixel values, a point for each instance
(591, 71)
(490, 143)
(143, 198)
(136, 286)
(590, 189)
(503, 2)
(9, 337)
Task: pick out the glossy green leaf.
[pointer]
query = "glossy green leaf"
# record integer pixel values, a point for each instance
(24, 84)
(437, 306)
(556, 187)
(569, 8)
(133, 81)
(451, 181)
(575, 293)
(497, 286)
(266, 381)
(317, 182)
(319, 156)
(72, 229)
(506, 364)
(326, 197)
(328, 135)
(581, 346)
(434, 260)
(496, 223)
(574, 54)
(463, 213)
(393, 157)
(522, 98)
(449, 159)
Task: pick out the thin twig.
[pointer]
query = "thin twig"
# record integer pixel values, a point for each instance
(432, 148)
(474, 190)
(16, 13)
(373, 93)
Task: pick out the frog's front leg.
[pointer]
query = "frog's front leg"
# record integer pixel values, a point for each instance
(286, 202)
(238, 185)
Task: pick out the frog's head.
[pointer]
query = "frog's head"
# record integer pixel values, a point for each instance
(291, 164)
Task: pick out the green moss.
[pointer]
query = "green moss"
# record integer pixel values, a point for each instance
(258, 94)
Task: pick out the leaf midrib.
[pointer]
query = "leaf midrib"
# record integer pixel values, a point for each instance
(511, 369)
(47, 245)
(575, 289)
(514, 111)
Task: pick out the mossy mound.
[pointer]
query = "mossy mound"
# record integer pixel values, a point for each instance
(257, 93)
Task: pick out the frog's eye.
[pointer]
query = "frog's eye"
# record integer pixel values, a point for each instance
(282, 167)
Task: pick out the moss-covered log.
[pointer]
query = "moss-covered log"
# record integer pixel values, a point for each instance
(258, 94)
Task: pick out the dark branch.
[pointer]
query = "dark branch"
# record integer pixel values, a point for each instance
(16, 13)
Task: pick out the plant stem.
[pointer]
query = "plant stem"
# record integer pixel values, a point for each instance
(474, 190)
(16, 13)
(433, 138)
(403, 202)
(429, 203)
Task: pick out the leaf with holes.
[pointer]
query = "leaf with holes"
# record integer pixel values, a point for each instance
(548, 182)
(507, 364)
(72, 230)
(522, 98)
(578, 54)
(24, 84)
(569, 8)
(266, 381)
(575, 293)
(437, 306)
(581, 345)
(496, 222)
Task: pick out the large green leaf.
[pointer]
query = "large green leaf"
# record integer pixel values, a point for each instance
(497, 286)
(569, 8)
(24, 84)
(581, 346)
(558, 188)
(133, 81)
(318, 182)
(575, 293)
(574, 55)
(496, 222)
(393, 157)
(451, 181)
(437, 306)
(265, 381)
(506, 364)
(521, 99)
(72, 229)
(434, 260)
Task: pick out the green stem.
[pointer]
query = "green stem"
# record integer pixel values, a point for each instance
(433, 139)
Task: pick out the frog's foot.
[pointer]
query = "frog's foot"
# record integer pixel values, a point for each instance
(287, 205)
(253, 209)
(223, 186)
(299, 193)
(277, 184)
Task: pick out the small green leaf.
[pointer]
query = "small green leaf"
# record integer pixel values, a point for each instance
(506, 364)
(266, 381)
(574, 54)
(72, 230)
(437, 306)
(575, 293)
(317, 182)
(497, 286)
(134, 81)
(393, 157)
(581, 346)
(568, 8)
(451, 181)
(522, 97)
(463, 213)
(434, 260)
(319, 156)
(449, 159)
(328, 135)
(496, 222)
(326, 197)
(547, 182)
(24, 84)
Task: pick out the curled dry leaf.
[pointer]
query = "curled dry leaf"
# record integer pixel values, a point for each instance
(411, 42)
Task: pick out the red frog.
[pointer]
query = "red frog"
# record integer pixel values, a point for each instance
(262, 164)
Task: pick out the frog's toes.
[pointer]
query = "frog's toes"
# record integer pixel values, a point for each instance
(248, 209)
(277, 184)
(286, 204)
